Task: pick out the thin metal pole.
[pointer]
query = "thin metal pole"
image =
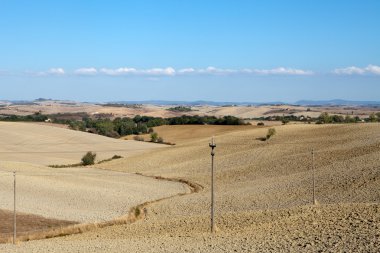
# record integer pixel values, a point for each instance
(212, 146)
(14, 207)
(312, 153)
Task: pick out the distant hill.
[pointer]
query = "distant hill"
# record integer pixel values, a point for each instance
(334, 102)
(194, 103)
(337, 102)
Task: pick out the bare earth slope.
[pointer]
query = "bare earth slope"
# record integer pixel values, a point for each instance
(263, 196)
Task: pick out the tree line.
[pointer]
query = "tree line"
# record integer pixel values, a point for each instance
(122, 126)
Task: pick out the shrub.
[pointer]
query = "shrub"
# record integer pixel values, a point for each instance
(284, 121)
(270, 133)
(137, 212)
(160, 140)
(89, 158)
(260, 124)
(154, 137)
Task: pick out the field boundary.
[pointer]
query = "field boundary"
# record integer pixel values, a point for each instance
(135, 214)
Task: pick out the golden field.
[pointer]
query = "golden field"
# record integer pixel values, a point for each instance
(263, 194)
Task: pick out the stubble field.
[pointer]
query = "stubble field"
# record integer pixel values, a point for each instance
(263, 195)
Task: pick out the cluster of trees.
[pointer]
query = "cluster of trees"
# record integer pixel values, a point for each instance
(122, 126)
(180, 109)
(286, 118)
(143, 124)
(205, 120)
(325, 118)
(37, 117)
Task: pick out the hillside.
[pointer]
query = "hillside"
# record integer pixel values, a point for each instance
(263, 195)
(41, 144)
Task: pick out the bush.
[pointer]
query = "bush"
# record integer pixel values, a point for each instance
(270, 133)
(153, 137)
(89, 158)
(260, 124)
(284, 121)
(160, 140)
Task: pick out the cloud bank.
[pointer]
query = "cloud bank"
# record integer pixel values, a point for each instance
(86, 71)
(170, 71)
(370, 69)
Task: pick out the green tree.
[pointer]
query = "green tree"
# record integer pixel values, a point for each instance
(105, 127)
(325, 117)
(372, 117)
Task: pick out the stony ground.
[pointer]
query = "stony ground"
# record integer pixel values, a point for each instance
(263, 196)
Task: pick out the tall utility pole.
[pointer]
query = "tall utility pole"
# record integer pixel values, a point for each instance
(212, 146)
(14, 207)
(312, 165)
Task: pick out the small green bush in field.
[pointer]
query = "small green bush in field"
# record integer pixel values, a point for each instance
(270, 133)
(153, 137)
(89, 158)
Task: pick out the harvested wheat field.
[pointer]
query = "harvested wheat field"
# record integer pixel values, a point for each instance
(56, 197)
(41, 144)
(178, 134)
(263, 195)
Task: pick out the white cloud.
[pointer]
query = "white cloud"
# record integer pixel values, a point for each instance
(56, 71)
(150, 72)
(373, 69)
(283, 71)
(86, 71)
(119, 71)
(159, 71)
(370, 69)
(220, 71)
(217, 71)
(349, 71)
(52, 71)
(186, 71)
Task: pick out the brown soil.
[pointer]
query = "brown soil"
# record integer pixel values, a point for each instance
(27, 224)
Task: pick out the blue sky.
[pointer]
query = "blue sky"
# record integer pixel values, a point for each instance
(190, 50)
